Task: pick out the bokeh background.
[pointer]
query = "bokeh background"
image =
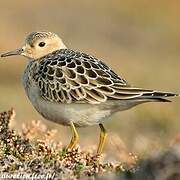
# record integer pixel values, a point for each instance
(139, 39)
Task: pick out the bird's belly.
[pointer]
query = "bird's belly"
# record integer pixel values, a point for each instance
(79, 114)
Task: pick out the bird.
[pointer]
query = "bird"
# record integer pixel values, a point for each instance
(76, 89)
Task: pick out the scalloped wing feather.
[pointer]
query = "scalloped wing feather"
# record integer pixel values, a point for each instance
(70, 76)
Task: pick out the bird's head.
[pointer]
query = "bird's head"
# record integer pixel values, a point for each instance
(37, 45)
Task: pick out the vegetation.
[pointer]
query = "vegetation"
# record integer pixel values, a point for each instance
(21, 153)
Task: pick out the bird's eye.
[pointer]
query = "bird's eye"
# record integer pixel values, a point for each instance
(42, 44)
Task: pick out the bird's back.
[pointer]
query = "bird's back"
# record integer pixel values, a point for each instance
(68, 76)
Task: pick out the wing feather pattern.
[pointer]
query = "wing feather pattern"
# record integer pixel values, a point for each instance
(67, 76)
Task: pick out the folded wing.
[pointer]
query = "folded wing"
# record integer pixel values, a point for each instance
(71, 76)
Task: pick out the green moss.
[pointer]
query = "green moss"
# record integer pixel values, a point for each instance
(78, 168)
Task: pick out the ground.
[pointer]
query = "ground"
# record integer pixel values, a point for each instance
(23, 154)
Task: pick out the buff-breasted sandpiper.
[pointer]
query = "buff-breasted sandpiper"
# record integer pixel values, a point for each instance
(73, 88)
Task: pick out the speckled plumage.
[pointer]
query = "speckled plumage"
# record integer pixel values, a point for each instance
(68, 76)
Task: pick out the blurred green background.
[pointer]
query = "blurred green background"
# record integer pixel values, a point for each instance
(139, 39)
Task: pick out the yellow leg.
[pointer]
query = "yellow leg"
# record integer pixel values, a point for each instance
(74, 138)
(103, 136)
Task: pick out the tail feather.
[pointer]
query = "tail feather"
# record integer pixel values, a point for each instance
(139, 94)
(158, 96)
(159, 100)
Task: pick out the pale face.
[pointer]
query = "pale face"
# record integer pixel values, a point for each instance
(37, 45)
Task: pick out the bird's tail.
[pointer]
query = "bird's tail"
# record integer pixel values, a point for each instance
(158, 96)
(143, 95)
